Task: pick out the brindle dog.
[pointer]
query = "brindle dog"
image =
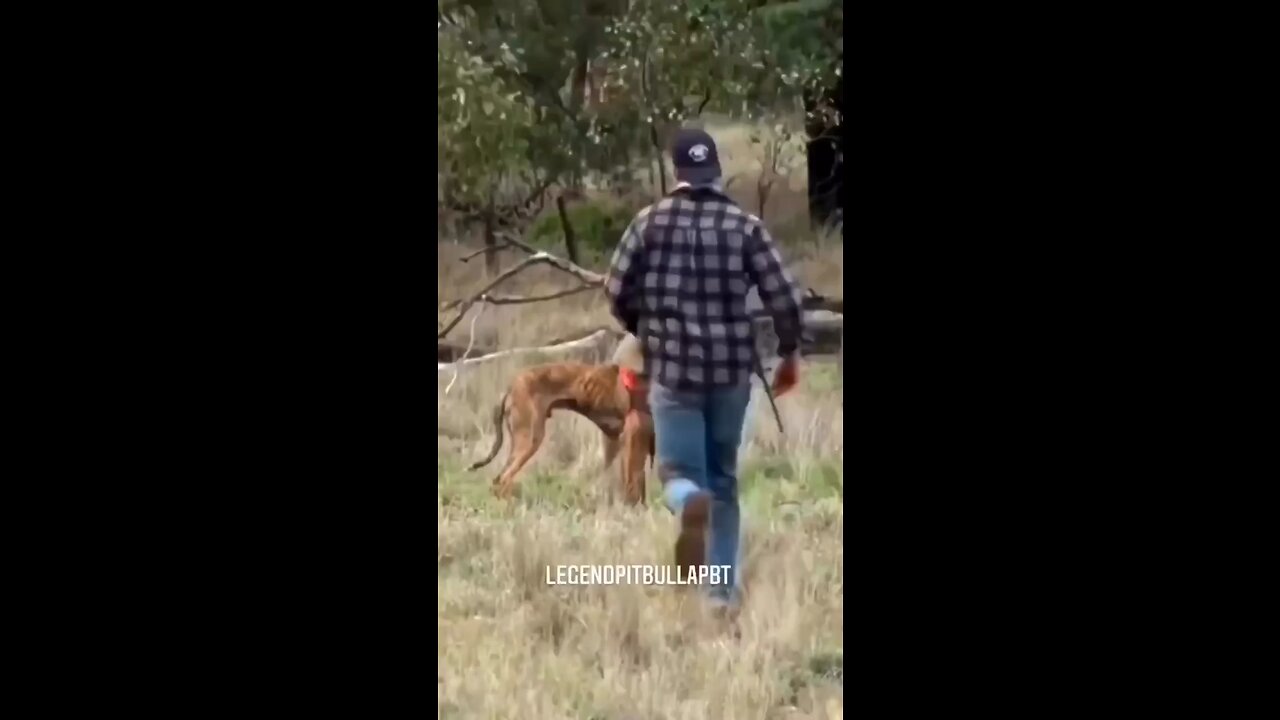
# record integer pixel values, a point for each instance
(597, 393)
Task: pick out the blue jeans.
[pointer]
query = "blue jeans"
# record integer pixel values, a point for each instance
(696, 436)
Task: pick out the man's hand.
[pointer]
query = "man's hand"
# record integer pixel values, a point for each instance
(788, 375)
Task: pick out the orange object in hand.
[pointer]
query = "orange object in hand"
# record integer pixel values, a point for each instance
(787, 377)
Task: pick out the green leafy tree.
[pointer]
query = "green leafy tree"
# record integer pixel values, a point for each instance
(514, 75)
(481, 136)
(543, 49)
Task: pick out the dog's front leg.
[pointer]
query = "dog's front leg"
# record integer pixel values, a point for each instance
(612, 445)
(636, 433)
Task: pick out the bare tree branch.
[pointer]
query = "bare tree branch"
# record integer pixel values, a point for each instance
(587, 277)
(482, 251)
(470, 344)
(516, 242)
(507, 214)
(508, 241)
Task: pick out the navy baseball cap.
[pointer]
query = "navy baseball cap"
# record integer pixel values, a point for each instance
(695, 158)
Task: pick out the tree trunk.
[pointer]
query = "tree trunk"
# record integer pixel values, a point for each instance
(490, 242)
(578, 80)
(662, 164)
(825, 171)
(570, 242)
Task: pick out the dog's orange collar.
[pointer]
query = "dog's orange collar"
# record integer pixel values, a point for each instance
(630, 380)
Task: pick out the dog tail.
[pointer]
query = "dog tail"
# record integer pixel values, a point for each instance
(498, 413)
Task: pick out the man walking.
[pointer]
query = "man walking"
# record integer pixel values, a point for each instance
(678, 283)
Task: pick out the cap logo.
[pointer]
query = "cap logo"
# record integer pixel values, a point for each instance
(698, 152)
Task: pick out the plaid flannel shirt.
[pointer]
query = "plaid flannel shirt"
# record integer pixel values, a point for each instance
(679, 281)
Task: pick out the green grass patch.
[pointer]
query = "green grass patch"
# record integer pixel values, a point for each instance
(767, 484)
(823, 377)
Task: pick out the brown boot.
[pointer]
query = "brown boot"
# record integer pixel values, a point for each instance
(691, 545)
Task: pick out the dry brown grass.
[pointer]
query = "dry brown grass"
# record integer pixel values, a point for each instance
(512, 646)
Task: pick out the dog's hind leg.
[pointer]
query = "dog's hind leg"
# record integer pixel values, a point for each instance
(528, 427)
(611, 447)
(517, 422)
(498, 414)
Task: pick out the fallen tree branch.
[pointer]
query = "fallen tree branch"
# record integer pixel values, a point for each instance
(509, 241)
(519, 299)
(613, 332)
(587, 277)
(597, 340)
(589, 281)
(810, 302)
(448, 352)
(823, 334)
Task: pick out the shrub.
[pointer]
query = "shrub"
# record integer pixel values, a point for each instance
(597, 226)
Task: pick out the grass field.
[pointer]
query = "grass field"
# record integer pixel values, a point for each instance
(512, 646)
